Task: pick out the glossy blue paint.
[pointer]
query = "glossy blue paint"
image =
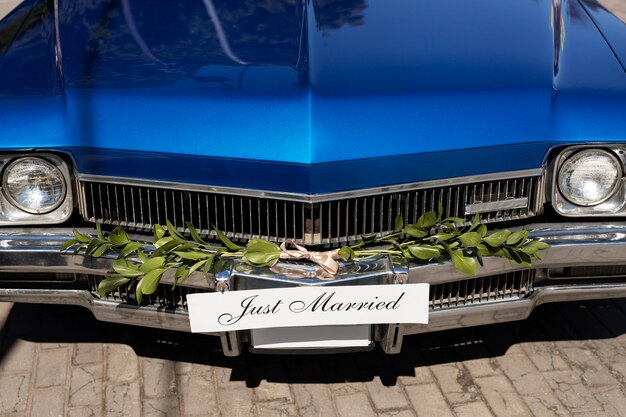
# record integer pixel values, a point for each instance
(27, 56)
(309, 97)
(611, 21)
(587, 63)
(442, 46)
(194, 123)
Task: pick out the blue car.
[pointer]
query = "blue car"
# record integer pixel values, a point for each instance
(320, 125)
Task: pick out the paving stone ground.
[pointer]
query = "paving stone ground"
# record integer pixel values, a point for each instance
(565, 360)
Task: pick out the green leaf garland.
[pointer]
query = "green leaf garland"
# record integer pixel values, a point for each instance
(429, 240)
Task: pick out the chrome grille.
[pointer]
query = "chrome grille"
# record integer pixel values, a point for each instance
(481, 290)
(325, 222)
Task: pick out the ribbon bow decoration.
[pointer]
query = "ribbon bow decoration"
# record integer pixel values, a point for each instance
(324, 259)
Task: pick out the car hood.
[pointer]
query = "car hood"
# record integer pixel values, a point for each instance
(610, 18)
(340, 93)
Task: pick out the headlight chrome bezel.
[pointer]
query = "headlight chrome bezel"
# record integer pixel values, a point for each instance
(614, 204)
(12, 214)
(581, 154)
(15, 202)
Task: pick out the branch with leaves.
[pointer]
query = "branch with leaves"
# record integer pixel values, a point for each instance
(430, 240)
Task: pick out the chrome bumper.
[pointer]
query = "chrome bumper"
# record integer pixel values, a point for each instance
(591, 244)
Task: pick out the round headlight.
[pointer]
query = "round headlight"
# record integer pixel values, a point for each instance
(590, 177)
(34, 185)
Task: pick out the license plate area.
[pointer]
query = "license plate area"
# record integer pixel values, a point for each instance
(312, 338)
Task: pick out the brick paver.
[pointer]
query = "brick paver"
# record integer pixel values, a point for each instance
(565, 360)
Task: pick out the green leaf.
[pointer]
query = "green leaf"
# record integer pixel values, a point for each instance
(101, 250)
(187, 272)
(514, 255)
(152, 264)
(93, 245)
(427, 220)
(125, 268)
(130, 248)
(346, 253)
(501, 253)
(463, 263)
(476, 222)
(398, 223)
(226, 241)
(209, 263)
(483, 250)
(166, 248)
(194, 233)
(479, 258)
(163, 241)
(80, 237)
(196, 266)
(159, 232)
(414, 230)
(497, 239)
(142, 257)
(174, 233)
(534, 246)
(482, 230)
(517, 238)
(192, 256)
(443, 237)
(110, 284)
(261, 252)
(180, 271)
(186, 246)
(526, 258)
(424, 252)
(99, 231)
(184, 277)
(446, 248)
(470, 239)
(454, 220)
(68, 244)
(118, 236)
(149, 283)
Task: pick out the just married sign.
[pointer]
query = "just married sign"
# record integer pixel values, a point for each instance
(308, 306)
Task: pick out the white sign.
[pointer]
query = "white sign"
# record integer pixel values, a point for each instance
(308, 306)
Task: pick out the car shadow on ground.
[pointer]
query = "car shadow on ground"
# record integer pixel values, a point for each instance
(566, 321)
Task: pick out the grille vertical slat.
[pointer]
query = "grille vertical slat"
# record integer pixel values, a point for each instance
(355, 218)
(482, 290)
(266, 229)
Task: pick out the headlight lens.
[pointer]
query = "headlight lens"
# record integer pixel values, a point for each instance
(590, 177)
(34, 185)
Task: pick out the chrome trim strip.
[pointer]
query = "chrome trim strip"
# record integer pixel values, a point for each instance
(505, 311)
(312, 198)
(104, 310)
(514, 203)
